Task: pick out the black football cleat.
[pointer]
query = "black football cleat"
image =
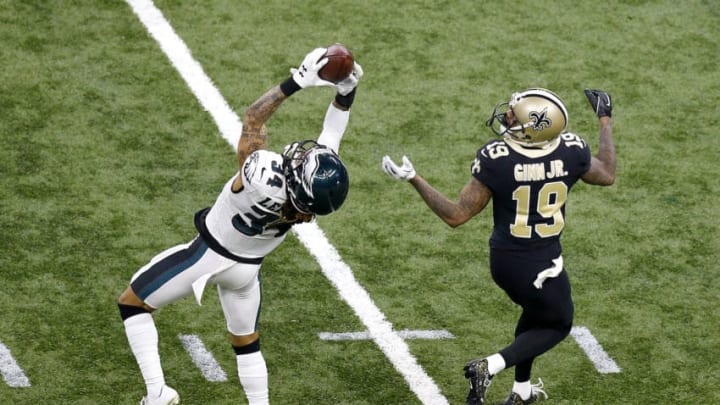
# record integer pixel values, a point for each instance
(536, 391)
(477, 372)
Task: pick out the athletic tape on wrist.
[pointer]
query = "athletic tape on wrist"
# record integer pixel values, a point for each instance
(289, 86)
(346, 101)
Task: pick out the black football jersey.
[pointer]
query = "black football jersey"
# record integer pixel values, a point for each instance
(530, 188)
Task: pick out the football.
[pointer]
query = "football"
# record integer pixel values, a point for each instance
(340, 64)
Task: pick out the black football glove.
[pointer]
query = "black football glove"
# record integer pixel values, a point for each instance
(600, 102)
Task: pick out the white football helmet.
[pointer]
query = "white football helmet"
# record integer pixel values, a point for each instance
(538, 117)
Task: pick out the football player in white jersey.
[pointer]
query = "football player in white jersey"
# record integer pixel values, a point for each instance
(249, 219)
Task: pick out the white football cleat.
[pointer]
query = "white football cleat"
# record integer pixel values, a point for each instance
(168, 396)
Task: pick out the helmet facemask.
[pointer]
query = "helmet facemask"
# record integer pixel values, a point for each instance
(498, 120)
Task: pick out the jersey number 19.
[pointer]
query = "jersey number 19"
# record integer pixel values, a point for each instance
(550, 200)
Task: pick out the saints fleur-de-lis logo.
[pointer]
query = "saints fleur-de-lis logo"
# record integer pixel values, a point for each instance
(540, 120)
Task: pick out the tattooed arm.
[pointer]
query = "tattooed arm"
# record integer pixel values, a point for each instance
(473, 198)
(602, 166)
(254, 133)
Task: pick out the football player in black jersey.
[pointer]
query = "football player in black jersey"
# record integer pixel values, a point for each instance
(527, 172)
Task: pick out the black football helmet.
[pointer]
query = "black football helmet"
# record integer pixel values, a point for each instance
(317, 180)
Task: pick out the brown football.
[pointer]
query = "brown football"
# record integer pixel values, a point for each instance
(340, 64)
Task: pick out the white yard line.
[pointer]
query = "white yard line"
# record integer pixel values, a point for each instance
(191, 71)
(13, 375)
(309, 234)
(405, 334)
(202, 358)
(592, 348)
(379, 328)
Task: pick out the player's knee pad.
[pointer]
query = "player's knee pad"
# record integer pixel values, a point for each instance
(126, 311)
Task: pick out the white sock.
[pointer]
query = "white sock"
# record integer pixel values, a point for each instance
(143, 339)
(496, 363)
(253, 375)
(523, 389)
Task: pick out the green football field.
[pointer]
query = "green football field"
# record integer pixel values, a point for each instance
(116, 125)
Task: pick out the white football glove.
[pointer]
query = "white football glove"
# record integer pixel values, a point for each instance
(344, 87)
(306, 75)
(404, 172)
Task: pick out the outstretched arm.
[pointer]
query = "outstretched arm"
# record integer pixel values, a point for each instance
(254, 133)
(338, 113)
(473, 198)
(334, 125)
(603, 164)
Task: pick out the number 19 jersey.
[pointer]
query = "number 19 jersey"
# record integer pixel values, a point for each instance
(530, 188)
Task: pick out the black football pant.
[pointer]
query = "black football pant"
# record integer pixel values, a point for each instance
(547, 313)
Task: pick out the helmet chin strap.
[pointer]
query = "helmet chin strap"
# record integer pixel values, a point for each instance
(504, 130)
(292, 202)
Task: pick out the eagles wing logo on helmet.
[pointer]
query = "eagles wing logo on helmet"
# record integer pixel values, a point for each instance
(540, 119)
(317, 180)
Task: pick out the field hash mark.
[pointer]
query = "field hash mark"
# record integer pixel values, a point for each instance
(604, 364)
(202, 358)
(13, 375)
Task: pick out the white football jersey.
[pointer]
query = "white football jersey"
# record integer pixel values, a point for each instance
(243, 222)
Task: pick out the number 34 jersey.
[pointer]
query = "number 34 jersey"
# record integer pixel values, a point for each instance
(245, 223)
(530, 188)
